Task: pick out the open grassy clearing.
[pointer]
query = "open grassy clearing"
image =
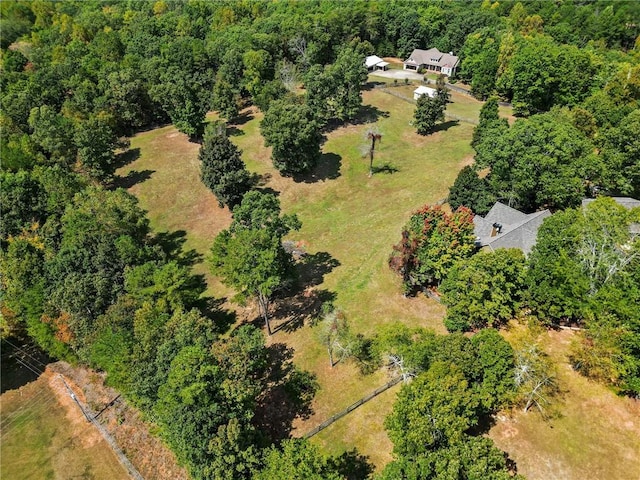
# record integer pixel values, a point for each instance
(592, 434)
(44, 435)
(350, 222)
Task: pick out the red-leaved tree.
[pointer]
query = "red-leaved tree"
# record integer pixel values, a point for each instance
(432, 241)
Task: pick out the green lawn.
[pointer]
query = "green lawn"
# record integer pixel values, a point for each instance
(347, 217)
(351, 221)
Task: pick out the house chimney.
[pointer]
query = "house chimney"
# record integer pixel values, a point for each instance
(497, 229)
(450, 53)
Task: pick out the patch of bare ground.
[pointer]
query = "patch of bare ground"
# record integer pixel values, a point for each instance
(591, 434)
(132, 433)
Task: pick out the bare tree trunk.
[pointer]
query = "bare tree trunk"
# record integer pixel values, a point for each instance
(330, 356)
(263, 301)
(371, 161)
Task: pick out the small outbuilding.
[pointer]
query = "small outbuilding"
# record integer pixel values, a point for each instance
(373, 62)
(422, 90)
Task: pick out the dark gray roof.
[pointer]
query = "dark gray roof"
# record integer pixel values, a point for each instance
(519, 230)
(626, 202)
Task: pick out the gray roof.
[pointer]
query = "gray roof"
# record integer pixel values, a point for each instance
(626, 202)
(519, 230)
(433, 56)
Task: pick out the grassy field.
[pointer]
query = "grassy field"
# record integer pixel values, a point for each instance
(45, 438)
(591, 435)
(350, 222)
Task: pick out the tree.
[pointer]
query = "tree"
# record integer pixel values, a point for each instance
(543, 161)
(541, 74)
(23, 202)
(334, 92)
(484, 290)
(208, 401)
(249, 256)
(221, 168)
(442, 92)
(620, 152)
(496, 360)
(535, 378)
(480, 62)
(431, 412)
(53, 133)
(490, 123)
(96, 143)
(432, 241)
(290, 129)
(428, 112)
(102, 232)
(471, 191)
(334, 333)
(298, 460)
(472, 458)
(262, 211)
(374, 136)
(577, 254)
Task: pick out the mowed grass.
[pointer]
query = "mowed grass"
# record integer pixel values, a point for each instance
(591, 435)
(355, 220)
(351, 217)
(41, 440)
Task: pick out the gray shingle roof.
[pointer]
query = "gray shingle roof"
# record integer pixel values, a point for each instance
(626, 202)
(433, 56)
(519, 230)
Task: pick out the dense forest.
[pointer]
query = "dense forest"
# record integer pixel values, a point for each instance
(87, 279)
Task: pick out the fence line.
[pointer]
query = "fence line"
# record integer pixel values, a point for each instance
(126, 463)
(352, 407)
(412, 101)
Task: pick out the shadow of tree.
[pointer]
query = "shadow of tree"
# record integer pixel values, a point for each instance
(212, 308)
(328, 168)
(444, 126)
(172, 243)
(353, 466)
(16, 352)
(132, 178)
(242, 118)
(313, 268)
(369, 114)
(303, 303)
(385, 168)
(126, 157)
(289, 314)
(234, 132)
(288, 394)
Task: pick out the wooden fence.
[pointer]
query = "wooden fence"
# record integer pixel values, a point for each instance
(408, 99)
(352, 407)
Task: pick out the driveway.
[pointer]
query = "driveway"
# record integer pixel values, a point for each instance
(398, 74)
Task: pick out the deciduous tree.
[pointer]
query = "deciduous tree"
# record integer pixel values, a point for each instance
(290, 129)
(484, 290)
(221, 168)
(432, 241)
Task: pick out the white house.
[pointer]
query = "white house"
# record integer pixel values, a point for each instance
(422, 90)
(432, 60)
(373, 62)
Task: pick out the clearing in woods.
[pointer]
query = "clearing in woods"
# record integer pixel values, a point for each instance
(350, 222)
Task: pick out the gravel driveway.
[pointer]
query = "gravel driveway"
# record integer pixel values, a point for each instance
(399, 74)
